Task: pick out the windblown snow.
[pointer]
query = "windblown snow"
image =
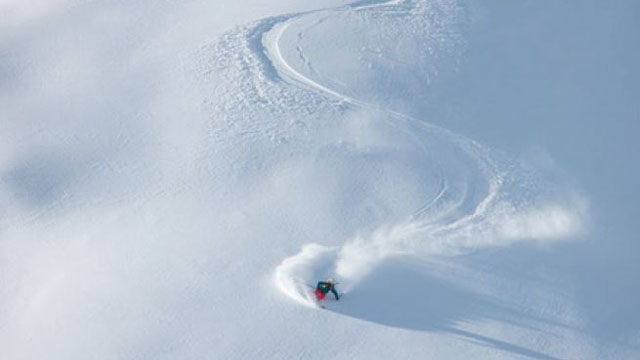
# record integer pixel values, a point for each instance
(176, 176)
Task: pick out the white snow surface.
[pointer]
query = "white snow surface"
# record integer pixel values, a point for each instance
(175, 177)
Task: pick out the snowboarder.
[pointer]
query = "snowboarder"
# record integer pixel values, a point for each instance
(324, 287)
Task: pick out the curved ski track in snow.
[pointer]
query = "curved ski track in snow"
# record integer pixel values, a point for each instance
(478, 198)
(271, 41)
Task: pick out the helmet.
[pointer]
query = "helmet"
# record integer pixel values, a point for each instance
(331, 281)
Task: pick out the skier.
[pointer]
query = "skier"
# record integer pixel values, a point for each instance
(324, 287)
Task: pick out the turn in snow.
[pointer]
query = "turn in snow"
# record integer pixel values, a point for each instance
(175, 177)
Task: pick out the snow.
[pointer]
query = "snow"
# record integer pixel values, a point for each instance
(175, 176)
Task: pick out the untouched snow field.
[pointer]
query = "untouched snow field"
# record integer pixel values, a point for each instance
(176, 175)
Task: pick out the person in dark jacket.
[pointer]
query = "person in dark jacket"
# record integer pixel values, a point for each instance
(324, 287)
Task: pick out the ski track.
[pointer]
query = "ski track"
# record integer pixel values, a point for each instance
(483, 198)
(422, 223)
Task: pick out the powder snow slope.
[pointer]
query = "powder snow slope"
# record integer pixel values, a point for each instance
(178, 174)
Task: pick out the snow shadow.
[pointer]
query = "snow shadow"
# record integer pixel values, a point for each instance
(402, 295)
(41, 179)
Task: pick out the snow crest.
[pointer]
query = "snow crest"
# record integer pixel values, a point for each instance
(292, 276)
